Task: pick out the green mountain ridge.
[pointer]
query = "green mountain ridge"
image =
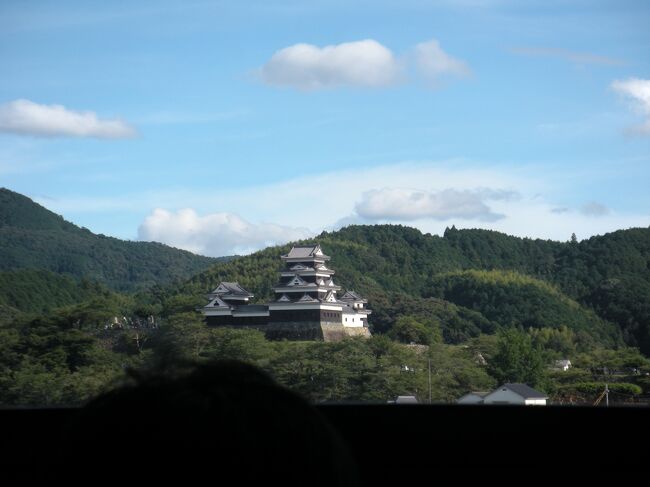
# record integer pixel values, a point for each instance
(585, 286)
(77, 309)
(32, 237)
(390, 263)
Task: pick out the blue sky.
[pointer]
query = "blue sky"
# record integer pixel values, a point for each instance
(222, 127)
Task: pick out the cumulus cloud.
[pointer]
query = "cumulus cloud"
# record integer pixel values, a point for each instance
(408, 204)
(364, 63)
(28, 118)
(214, 234)
(527, 203)
(639, 91)
(433, 63)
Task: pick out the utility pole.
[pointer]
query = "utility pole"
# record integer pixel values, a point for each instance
(429, 381)
(604, 394)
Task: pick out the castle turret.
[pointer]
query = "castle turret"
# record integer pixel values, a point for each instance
(305, 304)
(305, 274)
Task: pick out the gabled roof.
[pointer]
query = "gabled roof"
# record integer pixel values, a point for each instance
(219, 303)
(232, 289)
(305, 252)
(330, 297)
(297, 281)
(476, 393)
(524, 391)
(352, 296)
(306, 297)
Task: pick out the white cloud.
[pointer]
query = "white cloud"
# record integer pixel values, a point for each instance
(530, 214)
(594, 209)
(407, 204)
(364, 63)
(433, 63)
(639, 91)
(28, 118)
(214, 234)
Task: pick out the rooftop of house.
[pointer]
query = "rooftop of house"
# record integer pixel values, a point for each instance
(523, 390)
(478, 393)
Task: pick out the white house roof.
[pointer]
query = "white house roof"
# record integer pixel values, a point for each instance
(406, 400)
(524, 391)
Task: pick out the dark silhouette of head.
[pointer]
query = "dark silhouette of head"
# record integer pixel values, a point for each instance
(223, 422)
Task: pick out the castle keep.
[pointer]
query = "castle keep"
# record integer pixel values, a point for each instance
(305, 307)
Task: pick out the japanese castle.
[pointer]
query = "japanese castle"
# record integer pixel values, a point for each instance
(306, 305)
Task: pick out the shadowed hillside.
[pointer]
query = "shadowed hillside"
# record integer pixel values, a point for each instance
(32, 237)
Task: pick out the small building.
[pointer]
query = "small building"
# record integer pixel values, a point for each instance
(472, 398)
(305, 306)
(406, 400)
(520, 394)
(562, 365)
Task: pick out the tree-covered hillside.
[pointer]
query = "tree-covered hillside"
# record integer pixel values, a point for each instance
(551, 284)
(479, 306)
(516, 300)
(520, 304)
(32, 237)
(38, 291)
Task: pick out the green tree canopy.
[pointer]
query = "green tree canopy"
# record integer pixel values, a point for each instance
(517, 359)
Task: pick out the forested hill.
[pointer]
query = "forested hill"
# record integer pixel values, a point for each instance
(583, 285)
(32, 237)
(462, 299)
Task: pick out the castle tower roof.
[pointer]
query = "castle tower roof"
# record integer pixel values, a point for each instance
(230, 291)
(353, 296)
(305, 253)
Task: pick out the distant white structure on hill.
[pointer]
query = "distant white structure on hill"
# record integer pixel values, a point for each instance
(517, 394)
(562, 365)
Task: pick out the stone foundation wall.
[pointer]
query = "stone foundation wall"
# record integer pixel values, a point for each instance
(358, 331)
(296, 330)
(333, 332)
